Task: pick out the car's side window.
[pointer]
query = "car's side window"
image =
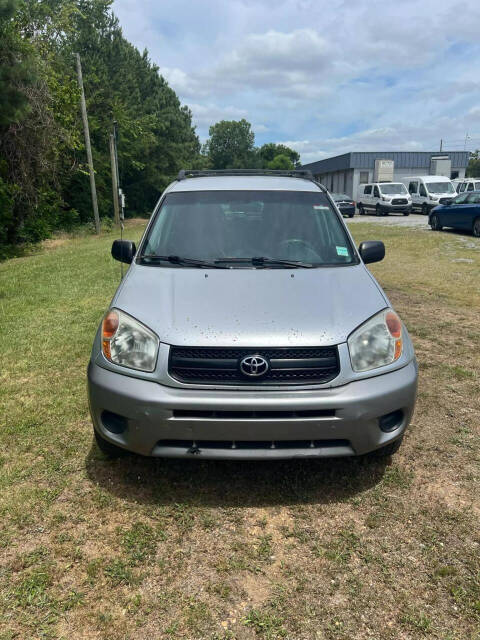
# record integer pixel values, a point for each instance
(376, 192)
(462, 199)
(422, 190)
(462, 187)
(474, 198)
(470, 186)
(368, 190)
(477, 186)
(413, 187)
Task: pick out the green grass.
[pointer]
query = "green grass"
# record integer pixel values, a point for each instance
(138, 548)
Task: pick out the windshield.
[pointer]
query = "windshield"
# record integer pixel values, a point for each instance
(440, 187)
(391, 189)
(278, 225)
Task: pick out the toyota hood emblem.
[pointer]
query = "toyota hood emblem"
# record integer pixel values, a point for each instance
(254, 366)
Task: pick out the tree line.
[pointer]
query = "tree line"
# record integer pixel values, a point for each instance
(44, 182)
(473, 168)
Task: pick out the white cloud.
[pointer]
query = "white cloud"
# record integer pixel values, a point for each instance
(328, 77)
(207, 114)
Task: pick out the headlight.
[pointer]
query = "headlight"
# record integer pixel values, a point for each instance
(433, 198)
(127, 342)
(377, 342)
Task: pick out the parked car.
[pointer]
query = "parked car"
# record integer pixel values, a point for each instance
(250, 336)
(463, 212)
(345, 204)
(468, 184)
(383, 198)
(429, 191)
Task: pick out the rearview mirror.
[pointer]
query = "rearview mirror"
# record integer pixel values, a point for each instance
(372, 251)
(123, 250)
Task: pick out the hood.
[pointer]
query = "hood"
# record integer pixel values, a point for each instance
(250, 307)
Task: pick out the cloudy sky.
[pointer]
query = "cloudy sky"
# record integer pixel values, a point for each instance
(322, 77)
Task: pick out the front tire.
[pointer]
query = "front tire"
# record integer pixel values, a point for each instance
(109, 449)
(406, 213)
(476, 228)
(350, 215)
(378, 210)
(361, 210)
(424, 209)
(389, 449)
(435, 223)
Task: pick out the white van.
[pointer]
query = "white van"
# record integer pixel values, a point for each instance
(383, 198)
(429, 191)
(467, 184)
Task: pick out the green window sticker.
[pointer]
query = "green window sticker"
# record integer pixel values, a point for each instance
(342, 251)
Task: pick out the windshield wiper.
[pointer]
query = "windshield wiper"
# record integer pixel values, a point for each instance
(260, 261)
(180, 261)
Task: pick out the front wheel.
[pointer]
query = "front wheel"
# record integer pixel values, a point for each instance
(424, 209)
(389, 449)
(361, 210)
(350, 215)
(406, 213)
(378, 210)
(109, 449)
(476, 228)
(435, 223)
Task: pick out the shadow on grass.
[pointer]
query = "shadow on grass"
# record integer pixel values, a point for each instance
(211, 483)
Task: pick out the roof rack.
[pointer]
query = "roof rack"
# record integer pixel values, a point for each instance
(199, 173)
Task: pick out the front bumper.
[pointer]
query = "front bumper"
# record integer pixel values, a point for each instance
(396, 208)
(176, 422)
(347, 210)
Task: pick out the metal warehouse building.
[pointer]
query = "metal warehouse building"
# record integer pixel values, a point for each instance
(343, 174)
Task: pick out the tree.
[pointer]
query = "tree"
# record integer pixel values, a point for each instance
(230, 145)
(281, 161)
(269, 151)
(473, 169)
(16, 66)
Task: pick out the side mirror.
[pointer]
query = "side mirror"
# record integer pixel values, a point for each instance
(123, 250)
(372, 251)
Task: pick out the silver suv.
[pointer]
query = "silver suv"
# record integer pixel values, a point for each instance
(248, 327)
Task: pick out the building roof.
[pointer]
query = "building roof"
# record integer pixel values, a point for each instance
(402, 160)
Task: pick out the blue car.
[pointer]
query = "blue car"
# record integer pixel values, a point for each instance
(463, 212)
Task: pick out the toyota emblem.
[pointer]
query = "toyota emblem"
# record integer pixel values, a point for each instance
(254, 366)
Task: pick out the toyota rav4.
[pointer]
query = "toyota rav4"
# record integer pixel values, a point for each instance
(248, 327)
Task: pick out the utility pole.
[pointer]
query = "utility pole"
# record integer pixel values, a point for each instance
(87, 145)
(466, 138)
(441, 144)
(113, 160)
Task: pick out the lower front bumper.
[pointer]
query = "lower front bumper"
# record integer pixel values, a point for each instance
(182, 422)
(400, 208)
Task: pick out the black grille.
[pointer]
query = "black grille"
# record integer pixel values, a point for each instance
(288, 365)
(445, 200)
(399, 201)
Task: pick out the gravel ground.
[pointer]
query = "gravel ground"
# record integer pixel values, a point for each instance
(395, 220)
